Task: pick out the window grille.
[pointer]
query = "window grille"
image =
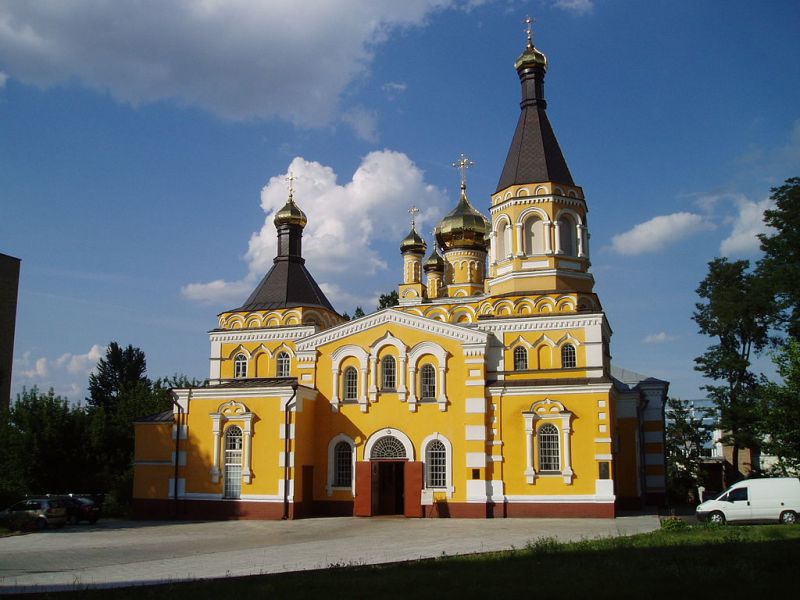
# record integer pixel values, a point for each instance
(435, 465)
(350, 383)
(388, 373)
(568, 357)
(284, 364)
(388, 447)
(427, 376)
(342, 465)
(549, 449)
(233, 462)
(240, 366)
(520, 358)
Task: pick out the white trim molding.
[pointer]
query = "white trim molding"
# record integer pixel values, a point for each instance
(342, 437)
(237, 413)
(389, 431)
(448, 463)
(548, 410)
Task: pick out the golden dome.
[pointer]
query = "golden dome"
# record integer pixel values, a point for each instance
(290, 214)
(463, 227)
(531, 57)
(435, 262)
(413, 243)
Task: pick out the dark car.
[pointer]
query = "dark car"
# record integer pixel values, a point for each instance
(35, 512)
(80, 508)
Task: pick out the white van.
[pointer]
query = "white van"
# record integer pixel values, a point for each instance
(770, 499)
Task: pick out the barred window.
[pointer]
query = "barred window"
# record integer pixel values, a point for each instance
(520, 358)
(240, 366)
(568, 358)
(435, 465)
(388, 373)
(388, 447)
(342, 465)
(549, 448)
(233, 462)
(427, 378)
(284, 364)
(350, 383)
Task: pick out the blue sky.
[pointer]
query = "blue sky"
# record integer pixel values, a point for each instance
(143, 146)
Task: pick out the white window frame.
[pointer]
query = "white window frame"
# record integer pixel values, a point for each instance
(522, 351)
(574, 356)
(283, 364)
(449, 462)
(548, 411)
(330, 488)
(240, 366)
(384, 361)
(347, 396)
(228, 482)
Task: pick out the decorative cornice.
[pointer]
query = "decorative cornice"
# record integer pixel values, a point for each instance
(262, 335)
(517, 200)
(534, 323)
(393, 317)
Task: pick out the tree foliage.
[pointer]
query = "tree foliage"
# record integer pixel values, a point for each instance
(737, 311)
(388, 300)
(119, 369)
(780, 410)
(358, 312)
(687, 432)
(781, 262)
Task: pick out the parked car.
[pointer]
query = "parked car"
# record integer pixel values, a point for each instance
(769, 499)
(36, 513)
(80, 508)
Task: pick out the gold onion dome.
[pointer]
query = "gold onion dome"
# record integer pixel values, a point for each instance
(413, 243)
(463, 227)
(290, 214)
(531, 57)
(434, 262)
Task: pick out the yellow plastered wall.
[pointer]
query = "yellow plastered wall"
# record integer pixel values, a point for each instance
(153, 444)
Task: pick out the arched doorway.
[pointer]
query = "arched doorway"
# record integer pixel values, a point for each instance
(388, 458)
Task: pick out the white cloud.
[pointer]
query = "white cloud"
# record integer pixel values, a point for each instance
(394, 87)
(659, 338)
(3, 79)
(81, 363)
(235, 58)
(578, 7)
(346, 224)
(747, 224)
(658, 233)
(363, 122)
(66, 374)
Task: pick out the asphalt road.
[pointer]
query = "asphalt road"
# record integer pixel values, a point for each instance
(122, 553)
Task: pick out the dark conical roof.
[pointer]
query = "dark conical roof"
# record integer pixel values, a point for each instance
(288, 284)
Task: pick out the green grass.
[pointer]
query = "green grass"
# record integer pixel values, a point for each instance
(733, 562)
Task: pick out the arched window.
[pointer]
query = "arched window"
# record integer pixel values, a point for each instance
(388, 373)
(435, 465)
(233, 462)
(342, 465)
(567, 235)
(388, 447)
(520, 358)
(350, 383)
(549, 448)
(427, 379)
(284, 364)
(534, 236)
(501, 245)
(240, 366)
(568, 357)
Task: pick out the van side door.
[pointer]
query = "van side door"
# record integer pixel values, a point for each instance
(739, 505)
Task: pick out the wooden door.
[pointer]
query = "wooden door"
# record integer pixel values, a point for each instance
(412, 480)
(362, 507)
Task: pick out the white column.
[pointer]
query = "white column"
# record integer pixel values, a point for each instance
(215, 427)
(401, 389)
(335, 402)
(509, 249)
(586, 241)
(412, 386)
(492, 248)
(581, 230)
(567, 452)
(548, 243)
(530, 472)
(362, 398)
(373, 388)
(247, 450)
(518, 231)
(559, 249)
(442, 398)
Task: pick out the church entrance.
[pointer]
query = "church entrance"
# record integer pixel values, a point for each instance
(388, 497)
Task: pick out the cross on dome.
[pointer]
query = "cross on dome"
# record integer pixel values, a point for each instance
(529, 21)
(413, 211)
(462, 164)
(290, 179)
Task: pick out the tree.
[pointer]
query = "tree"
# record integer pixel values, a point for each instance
(687, 432)
(737, 312)
(781, 262)
(358, 313)
(120, 368)
(388, 300)
(780, 410)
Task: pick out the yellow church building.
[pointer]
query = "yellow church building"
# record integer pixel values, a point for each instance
(487, 392)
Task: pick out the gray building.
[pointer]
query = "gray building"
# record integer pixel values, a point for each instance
(9, 287)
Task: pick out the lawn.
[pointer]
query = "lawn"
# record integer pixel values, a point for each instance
(732, 561)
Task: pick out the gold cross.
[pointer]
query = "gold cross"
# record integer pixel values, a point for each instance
(529, 29)
(290, 178)
(413, 211)
(462, 164)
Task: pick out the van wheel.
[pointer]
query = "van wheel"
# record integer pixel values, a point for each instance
(717, 518)
(788, 517)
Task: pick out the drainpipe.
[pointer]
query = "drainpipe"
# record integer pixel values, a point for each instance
(287, 427)
(177, 452)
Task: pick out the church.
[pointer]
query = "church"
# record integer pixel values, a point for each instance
(487, 392)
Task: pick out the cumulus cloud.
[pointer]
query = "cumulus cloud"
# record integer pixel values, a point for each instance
(657, 233)
(578, 7)
(363, 122)
(346, 224)
(747, 224)
(238, 59)
(66, 374)
(659, 338)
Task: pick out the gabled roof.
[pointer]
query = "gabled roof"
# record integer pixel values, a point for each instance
(534, 155)
(161, 417)
(288, 284)
(626, 380)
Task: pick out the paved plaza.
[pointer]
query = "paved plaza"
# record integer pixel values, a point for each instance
(121, 553)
